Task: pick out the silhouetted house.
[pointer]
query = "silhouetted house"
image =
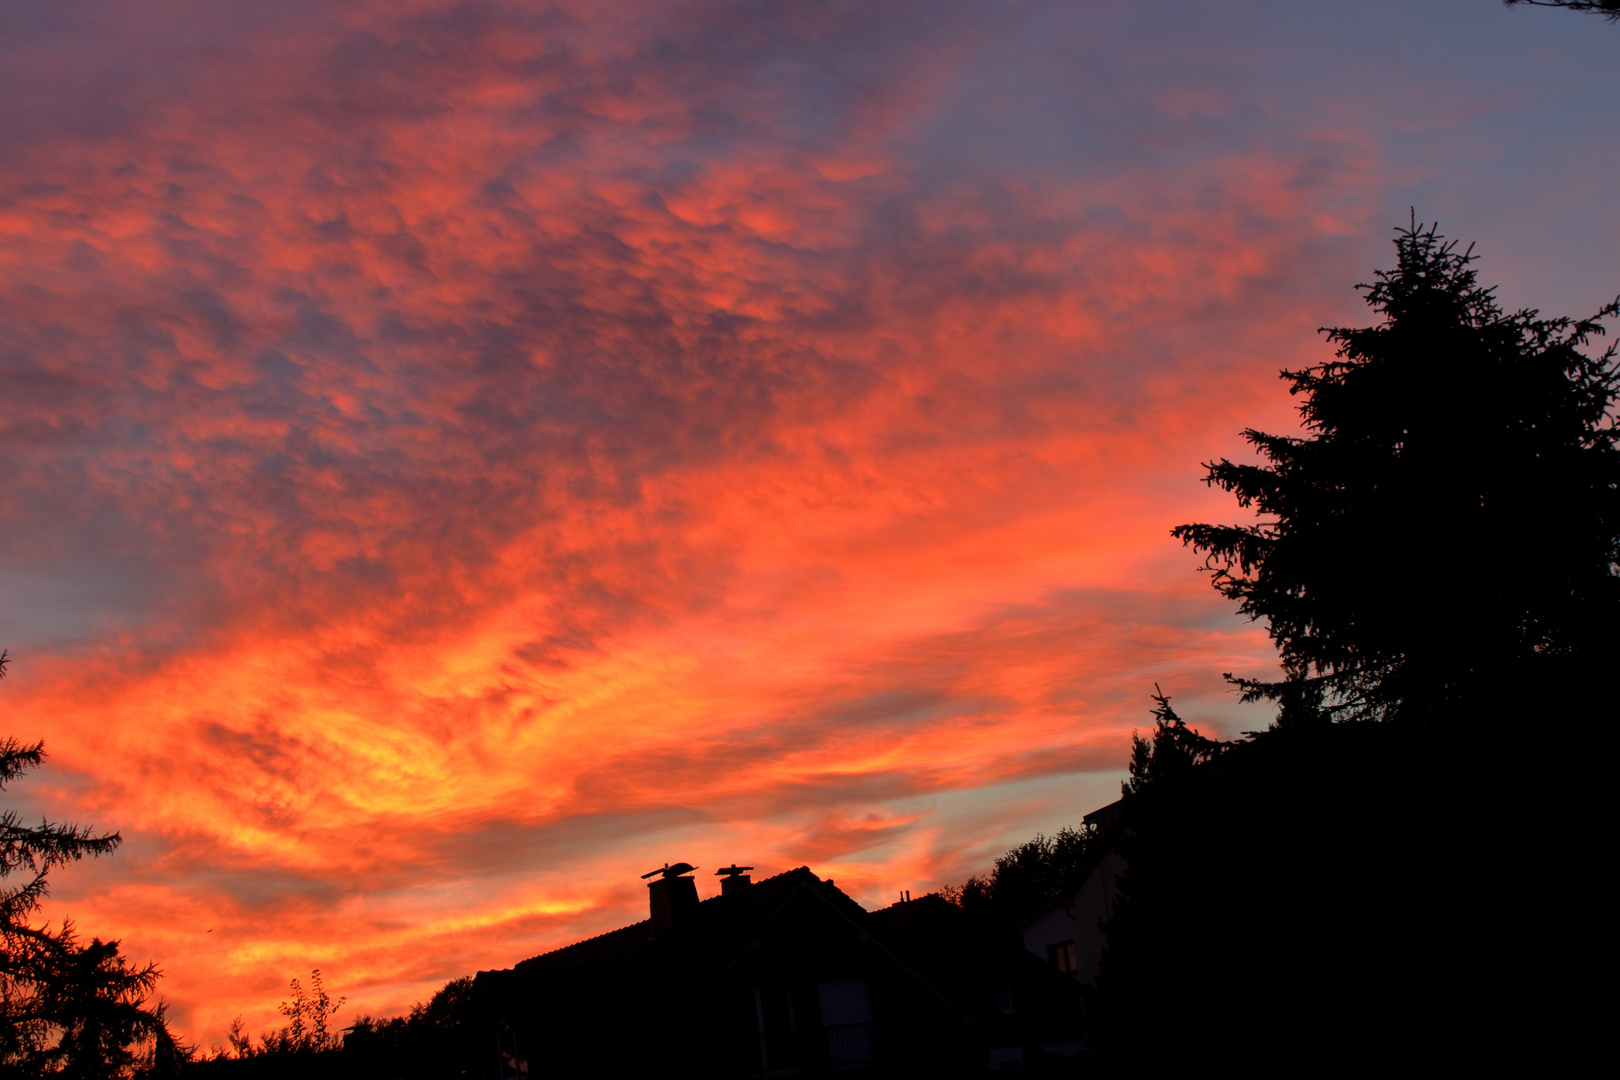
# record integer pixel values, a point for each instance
(784, 976)
(1031, 1010)
(1067, 932)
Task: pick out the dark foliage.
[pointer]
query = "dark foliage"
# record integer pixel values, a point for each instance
(67, 1008)
(1025, 878)
(1172, 750)
(1296, 904)
(444, 1038)
(1609, 9)
(308, 1029)
(1447, 531)
(448, 1037)
(1441, 547)
(1321, 897)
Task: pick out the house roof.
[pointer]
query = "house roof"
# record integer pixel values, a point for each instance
(899, 915)
(1105, 817)
(630, 973)
(1062, 899)
(627, 962)
(721, 926)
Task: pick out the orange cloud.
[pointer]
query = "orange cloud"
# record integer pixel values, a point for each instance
(463, 455)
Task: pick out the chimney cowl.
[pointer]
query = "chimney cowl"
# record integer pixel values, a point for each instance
(733, 879)
(672, 899)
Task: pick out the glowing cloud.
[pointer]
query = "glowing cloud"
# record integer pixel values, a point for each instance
(462, 455)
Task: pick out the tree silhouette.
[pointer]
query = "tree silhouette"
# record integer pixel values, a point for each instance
(309, 1017)
(1610, 9)
(1171, 752)
(1025, 877)
(67, 1009)
(1298, 896)
(308, 1029)
(437, 1038)
(1440, 546)
(1446, 534)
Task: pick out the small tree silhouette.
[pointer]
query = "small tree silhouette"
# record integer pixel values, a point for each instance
(66, 1008)
(308, 1030)
(1171, 751)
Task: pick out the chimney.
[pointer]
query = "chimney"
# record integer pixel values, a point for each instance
(733, 879)
(673, 897)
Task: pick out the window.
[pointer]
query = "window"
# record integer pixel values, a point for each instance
(846, 1015)
(778, 1029)
(509, 1065)
(1062, 955)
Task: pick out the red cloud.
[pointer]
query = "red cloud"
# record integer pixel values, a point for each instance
(464, 454)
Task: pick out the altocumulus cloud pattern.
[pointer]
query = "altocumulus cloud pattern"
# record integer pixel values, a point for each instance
(458, 454)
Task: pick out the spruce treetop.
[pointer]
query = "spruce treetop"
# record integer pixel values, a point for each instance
(1448, 525)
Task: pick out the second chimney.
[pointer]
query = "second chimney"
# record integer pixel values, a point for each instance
(732, 879)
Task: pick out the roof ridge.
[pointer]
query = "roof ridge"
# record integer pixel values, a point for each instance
(581, 941)
(762, 883)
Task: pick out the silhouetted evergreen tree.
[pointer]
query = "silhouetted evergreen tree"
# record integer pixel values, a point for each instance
(1170, 752)
(67, 1008)
(1440, 548)
(1445, 535)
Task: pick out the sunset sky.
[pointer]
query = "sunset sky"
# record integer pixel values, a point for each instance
(461, 456)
